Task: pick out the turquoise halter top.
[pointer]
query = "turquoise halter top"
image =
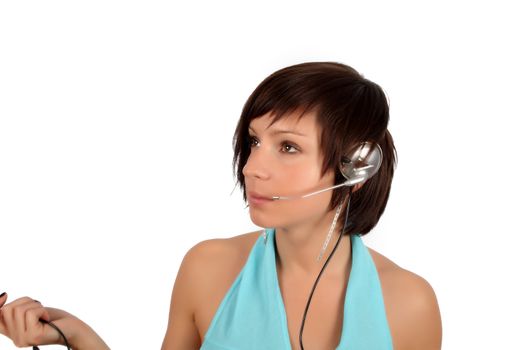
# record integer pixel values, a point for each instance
(252, 314)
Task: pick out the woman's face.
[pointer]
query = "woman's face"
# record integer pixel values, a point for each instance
(286, 160)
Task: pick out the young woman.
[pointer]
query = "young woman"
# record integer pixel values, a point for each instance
(306, 281)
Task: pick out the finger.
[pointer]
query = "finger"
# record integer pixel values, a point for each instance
(33, 315)
(37, 333)
(3, 299)
(20, 310)
(46, 315)
(8, 325)
(19, 301)
(16, 323)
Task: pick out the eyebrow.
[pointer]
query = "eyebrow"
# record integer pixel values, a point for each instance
(282, 131)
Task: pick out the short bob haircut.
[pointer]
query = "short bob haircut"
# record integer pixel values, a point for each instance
(349, 109)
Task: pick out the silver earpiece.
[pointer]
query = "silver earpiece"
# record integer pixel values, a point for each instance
(362, 163)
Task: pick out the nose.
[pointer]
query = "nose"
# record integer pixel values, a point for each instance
(257, 165)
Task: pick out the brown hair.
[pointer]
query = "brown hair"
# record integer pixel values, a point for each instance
(349, 109)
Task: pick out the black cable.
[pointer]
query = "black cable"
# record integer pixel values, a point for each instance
(59, 332)
(322, 269)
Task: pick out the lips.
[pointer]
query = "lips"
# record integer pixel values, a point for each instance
(257, 198)
(257, 195)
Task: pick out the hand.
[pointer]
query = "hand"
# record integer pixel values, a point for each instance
(20, 321)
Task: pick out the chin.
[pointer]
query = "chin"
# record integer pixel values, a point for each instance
(262, 219)
(258, 220)
(270, 220)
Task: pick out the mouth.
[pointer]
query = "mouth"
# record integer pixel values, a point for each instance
(255, 198)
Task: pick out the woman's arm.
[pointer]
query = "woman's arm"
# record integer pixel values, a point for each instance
(20, 321)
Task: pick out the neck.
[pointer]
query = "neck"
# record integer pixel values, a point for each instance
(298, 247)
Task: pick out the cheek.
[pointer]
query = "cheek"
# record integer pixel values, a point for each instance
(302, 180)
(299, 177)
(290, 212)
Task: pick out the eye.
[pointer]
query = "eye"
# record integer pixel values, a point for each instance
(289, 148)
(252, 141)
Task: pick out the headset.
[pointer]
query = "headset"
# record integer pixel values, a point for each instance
(361, 163)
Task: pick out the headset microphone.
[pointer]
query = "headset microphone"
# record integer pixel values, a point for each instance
(363, 163)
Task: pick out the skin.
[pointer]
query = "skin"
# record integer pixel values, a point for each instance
(209, 269)
(281, 163)
(19, 321)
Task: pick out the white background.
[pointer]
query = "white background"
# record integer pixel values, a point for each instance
(116, 119)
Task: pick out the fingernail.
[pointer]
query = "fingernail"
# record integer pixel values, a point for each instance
(1, 295)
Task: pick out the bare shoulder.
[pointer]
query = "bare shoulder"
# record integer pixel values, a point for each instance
(217, 262)
(206, 273)
(228, 249)
(213, 266)
(411, 306)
